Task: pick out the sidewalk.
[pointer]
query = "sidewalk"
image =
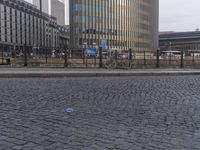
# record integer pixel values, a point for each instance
(59, 72)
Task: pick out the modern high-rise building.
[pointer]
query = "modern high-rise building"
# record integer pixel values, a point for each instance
(54, 8)
(118, 24)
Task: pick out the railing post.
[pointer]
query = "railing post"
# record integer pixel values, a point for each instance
(193, 59)
(145, 58)
(157, 58)
(25, 57)
(46, 57)
(182, 65)
(86, 59)
(95, 60)
(66, 57)
(83, 55)
(100, 57)
(130, 57)
(2, 59)
(115, 55)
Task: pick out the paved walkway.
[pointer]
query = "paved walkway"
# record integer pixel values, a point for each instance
(110, 113)
(59, 72)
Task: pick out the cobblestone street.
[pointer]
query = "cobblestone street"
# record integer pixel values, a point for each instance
(110, 113)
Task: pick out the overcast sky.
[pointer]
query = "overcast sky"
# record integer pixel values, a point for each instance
(179, 15)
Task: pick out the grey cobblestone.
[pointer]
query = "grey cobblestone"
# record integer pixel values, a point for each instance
(17, 147)
(111, 113)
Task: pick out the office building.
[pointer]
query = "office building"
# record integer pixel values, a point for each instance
(177, 41)
(54, 8)
(21, 23)
(114, 24)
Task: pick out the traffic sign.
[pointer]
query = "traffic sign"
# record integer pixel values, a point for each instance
(104, 44)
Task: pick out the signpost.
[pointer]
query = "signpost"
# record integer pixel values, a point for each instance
(104, 44)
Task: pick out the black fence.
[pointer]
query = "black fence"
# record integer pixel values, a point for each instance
(113, 59)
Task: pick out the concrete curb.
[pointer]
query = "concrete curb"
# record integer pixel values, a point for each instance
(93, 74)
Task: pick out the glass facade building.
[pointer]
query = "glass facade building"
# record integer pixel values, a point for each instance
(120, 24)
(54, 8)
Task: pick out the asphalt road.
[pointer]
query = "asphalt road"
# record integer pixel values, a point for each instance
(110, 113)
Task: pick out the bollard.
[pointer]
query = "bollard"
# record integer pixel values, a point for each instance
(182, 65)
(157, 59)
(100, 57)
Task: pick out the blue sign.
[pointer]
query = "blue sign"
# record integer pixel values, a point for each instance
(104, 44)
(91, 51)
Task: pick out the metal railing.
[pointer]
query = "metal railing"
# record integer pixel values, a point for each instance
(73, 58)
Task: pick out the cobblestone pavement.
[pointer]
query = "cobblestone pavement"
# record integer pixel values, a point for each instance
(127, 113)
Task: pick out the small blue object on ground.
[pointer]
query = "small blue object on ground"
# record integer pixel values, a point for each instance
(69, 110)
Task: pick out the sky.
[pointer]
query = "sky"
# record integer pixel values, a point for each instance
(176, 15)
(179, 15)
